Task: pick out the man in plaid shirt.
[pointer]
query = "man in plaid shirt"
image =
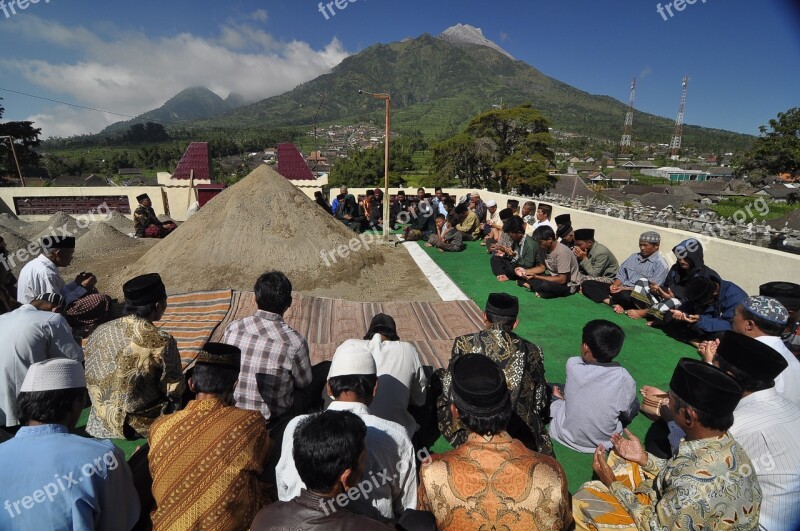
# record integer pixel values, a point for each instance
(276, 374)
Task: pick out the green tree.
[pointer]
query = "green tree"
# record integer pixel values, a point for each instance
(26, 138)
(499, 150)
(776, 151)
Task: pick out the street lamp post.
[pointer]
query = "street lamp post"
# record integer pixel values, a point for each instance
(384, 96)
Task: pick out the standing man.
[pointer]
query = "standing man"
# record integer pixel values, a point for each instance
(32, 333)
(709, 465)
(145, 222)
(594, 259)
(53, 479)
(84, 305)
(647, 263)
(565, 277)
(523, 365)
(132, 367)
(229, 442)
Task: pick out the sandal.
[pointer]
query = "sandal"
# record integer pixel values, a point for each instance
(653, 400)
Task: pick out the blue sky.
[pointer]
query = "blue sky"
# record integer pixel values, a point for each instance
(743, 57)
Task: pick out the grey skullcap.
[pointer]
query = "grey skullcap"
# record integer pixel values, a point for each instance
(650, 237)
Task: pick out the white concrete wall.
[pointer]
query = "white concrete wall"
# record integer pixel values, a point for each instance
(746, 265)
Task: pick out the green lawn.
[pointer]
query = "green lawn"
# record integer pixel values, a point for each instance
(556, 325)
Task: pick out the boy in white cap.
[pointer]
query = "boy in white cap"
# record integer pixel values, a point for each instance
(55, 480)
(352, 382)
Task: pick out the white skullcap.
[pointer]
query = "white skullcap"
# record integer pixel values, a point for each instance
(352, 357)
(491, 203)
(52, 375)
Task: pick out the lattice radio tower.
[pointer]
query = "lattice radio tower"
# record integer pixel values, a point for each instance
(625, 143)
(677, 138)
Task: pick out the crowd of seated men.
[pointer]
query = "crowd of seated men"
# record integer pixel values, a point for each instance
(253, 436)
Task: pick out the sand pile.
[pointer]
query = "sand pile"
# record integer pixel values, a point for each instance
(102, 237)
(120, 222)
(13, 240)
(12, 222)
(57, 224)
(261, 223)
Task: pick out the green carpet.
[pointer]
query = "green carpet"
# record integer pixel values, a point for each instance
(555, 325)
(126, 446)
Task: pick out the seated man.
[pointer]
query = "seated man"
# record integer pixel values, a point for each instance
(132, 367)
(542, 216)
(230, 443)
(636, 490)
(788, 294)
(330, 450)
(522, 253)
(671, 294)
(646, 264)
(353, 383)
(528, 215)
(765, 424)
(594, 259)
(401, 205)
(709, 310)
(32, 333)
(475, 486)
(351, 213)
(477, 205)
(145, 222)
(566, 235)
(447, 237)
(84, 306)
(557, 259)
(337, 199)
(469, 225)
(401, 378)
(376, 211)
(55, 480)
(520, 360)
(492, 226)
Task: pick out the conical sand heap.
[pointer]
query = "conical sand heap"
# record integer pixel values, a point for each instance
(262, 223)
(102, 237)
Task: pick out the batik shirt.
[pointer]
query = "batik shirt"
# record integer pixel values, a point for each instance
(214, 484)
(523, 365)
(494, 484)
(133, 372)
(709, 484)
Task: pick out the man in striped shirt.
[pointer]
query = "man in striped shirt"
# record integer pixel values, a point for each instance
(766, 424)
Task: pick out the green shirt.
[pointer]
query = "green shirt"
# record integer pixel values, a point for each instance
(600, 262)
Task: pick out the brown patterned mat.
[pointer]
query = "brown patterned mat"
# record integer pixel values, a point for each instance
(325, 323)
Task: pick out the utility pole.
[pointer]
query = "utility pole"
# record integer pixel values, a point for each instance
(16, 161)
(384, 96)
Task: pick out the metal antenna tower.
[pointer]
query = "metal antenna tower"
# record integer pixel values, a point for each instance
(625, 143)
(677, 138)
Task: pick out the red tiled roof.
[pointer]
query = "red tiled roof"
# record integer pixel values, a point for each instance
(292, 165)
(197, 158)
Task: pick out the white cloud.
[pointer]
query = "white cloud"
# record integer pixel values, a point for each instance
(259, 15)
(131, 72)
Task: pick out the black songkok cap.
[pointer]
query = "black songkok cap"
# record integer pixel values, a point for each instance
(479, 386)
(505, 214)
(787, 293)
(142, 197)
(512, 203)
(144, 290)
(700, 290)
(758, 360)
(563, 230)
(383, 324)
(584, 234)
(563, 219)
(57, 242)
(220, 354)
(503, 304)
(545, 208)
(705, 387)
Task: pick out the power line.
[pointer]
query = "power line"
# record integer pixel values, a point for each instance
(66, 103)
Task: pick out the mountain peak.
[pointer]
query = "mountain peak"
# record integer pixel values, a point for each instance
(466, 34)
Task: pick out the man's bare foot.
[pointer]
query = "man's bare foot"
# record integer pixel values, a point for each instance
(523, 284)
(428, 245)
(441, 250)
(618, 308)
(636, 314)
(537, 294)
(502, 278)
(649, 323)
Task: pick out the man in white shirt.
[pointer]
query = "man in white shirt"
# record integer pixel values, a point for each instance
(764, 318)
(390, 463)
(543, 217)
(32, 333)
(766, 425)
(83, 305)
(401, 378)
